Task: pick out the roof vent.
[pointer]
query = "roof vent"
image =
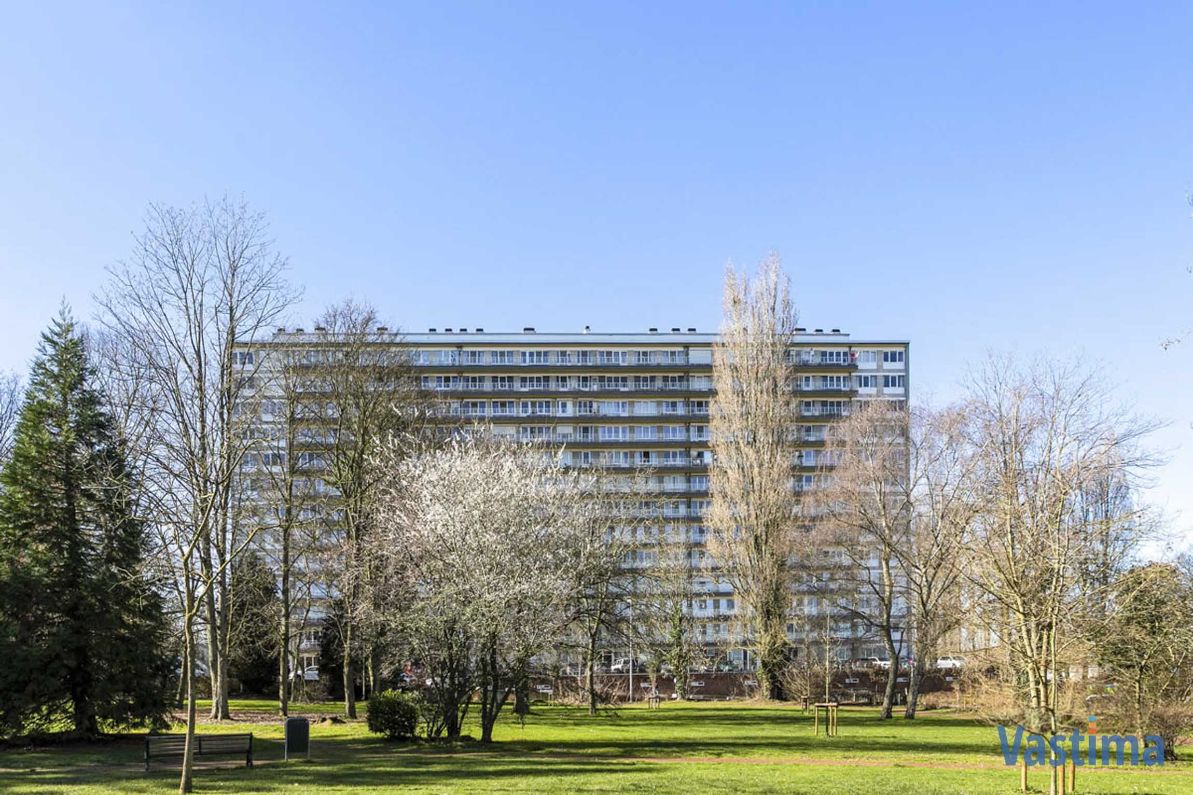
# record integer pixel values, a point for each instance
(320, 328)
(675, 330)
(463, 330)
(382, 329)
(480, 330)
(817, 330)
(528, 329)
(800, 328)
(836, 331)
(432, 330)
(654, 330)
(691, 330)
(297, 331)
(586, 329)
(281, 329)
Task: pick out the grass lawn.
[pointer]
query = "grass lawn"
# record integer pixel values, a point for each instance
(686, 748)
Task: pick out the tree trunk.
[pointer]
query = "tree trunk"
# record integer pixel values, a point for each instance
(772, 641)
(284, 622)
(349, 675)
(914, 678)
(188, 667)
(590, 679)
(892, 674)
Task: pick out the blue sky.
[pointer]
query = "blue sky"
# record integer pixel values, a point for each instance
(1009, 178)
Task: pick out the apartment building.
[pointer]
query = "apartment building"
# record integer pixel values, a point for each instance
(623, 402)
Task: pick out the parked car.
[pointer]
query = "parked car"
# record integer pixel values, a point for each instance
(310, 674)
(882, 665)
(623, 665)
(949, 663)
(863, 663)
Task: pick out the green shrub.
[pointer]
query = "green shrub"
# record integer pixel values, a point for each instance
(393, 714)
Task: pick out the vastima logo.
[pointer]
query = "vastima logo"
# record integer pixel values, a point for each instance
(1089, 749)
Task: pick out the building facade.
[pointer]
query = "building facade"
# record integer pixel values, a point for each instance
(628, 402)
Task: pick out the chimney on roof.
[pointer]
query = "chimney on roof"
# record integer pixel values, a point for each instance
(818, 330)
(281, 329)
(654, 330)
(446, 330)
(432, 330)
(691, 330)
(836, 331)
(675, 330)
(320, 328)
(480, 330)
(463, 330)
(528, 329)
(586, 329)
(382, 329)
(297, 331)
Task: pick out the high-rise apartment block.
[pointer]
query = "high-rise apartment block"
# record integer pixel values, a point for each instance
(640, 401)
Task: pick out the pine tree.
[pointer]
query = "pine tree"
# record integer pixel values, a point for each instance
(253, 651)
(82, 633)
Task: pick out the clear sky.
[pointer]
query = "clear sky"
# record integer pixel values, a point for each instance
(1010, 178)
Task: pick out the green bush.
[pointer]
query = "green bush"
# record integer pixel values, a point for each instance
(393, 714)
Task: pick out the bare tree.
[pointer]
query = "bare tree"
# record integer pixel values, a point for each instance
(606, 585)
(276, 490)
(199, 280)
(752, 519)
(11, 393)
(371, 394)
(664, 625)
(864, 511)
(1042, 438)
(943, 508)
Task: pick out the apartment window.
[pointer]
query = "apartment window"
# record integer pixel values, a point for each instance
(892, 357)
(528, 382)
(503, 407)
(473, 408)
(699, 406)
(699, 483)
(503, 357)
(535, 357)
(894, 381)
(867, 358)
(615, 408)
(473, 382)
(867, 381)
(672, 407)
(535, 407)
(562, 383)
(611, 433)
(449, 357)
(505, 382)
(243, 357)
(643, 357)
(474, 357)
(563, 357)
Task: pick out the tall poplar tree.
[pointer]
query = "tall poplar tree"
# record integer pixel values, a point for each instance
(82, 632)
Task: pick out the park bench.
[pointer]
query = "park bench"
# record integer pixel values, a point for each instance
(165, 746)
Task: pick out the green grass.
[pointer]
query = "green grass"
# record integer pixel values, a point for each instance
(680, 748)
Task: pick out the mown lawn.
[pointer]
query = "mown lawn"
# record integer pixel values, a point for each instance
(681, 748)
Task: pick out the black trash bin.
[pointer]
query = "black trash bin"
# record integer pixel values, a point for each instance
(298, 737)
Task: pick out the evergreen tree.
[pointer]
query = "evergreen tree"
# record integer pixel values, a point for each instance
(82, 633)
(253, 600)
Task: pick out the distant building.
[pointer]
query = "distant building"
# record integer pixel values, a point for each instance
(625, 401)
